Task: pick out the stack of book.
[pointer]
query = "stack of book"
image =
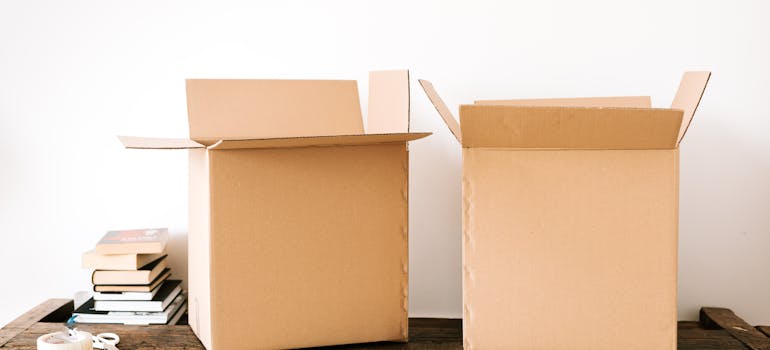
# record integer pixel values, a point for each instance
(131, 280)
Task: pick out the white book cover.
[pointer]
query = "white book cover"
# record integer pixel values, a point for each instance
(165, 295)
(126, 295)
(173, 312)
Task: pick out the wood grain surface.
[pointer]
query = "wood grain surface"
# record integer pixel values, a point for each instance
(48, 310)
(717, 317)
(718, 329)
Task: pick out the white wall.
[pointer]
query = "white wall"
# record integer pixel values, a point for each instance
(75, 73)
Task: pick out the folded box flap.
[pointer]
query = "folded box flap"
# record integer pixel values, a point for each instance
(442, 109)
(569, 127)
(688, 97)
(264, 108)
(388, 102)
(158, 143)
(614, 101)
(318, 141)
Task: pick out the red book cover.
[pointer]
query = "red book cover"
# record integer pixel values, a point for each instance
(141, 241)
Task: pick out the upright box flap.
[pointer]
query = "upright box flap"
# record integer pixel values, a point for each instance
(442, 109)
(318, 141)
(388, 102)
(688, 97)
(244, 109)
(617, 101)
(158, 143)
(569, 127)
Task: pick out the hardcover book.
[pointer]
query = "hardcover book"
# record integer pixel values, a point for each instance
(134, 287)
(96, 261)
(143, 276)
(126, 295)
(167, 293)
(143, 241)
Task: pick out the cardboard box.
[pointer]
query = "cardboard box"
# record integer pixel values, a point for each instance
(298, 219)
(570, 215)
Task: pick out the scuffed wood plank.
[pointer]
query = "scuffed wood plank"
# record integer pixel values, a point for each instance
(691, 336)
(425, 334)
(131, 337)
(36, 314)
(735, 326)
(764, 329)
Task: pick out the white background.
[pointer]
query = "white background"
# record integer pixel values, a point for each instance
(73, 74)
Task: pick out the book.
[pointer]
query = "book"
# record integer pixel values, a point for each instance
(144, 276)
(136, 287)
(143, 241)
(169, 290)
(86, 314)
(126, 295)
(178, 315)
(93, 260)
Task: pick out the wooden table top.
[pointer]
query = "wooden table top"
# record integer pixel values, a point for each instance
(425, 333)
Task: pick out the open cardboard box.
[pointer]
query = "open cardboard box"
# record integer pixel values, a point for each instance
(298, 219)
(570, 219)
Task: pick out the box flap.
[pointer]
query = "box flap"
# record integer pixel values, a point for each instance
(242, 109)
(616, 101)
(442, 109)
(388, 102)
(569, 127)
(688, 97)
(318, 141)
(158, 143)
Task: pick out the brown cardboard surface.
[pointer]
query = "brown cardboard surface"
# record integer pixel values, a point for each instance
(298, 220)
(388, 102)
(199, 246)
(688, 97)
(320, 258)
(617, 101)
(442, 109)
(570, 249)
(318, 141)
(243, 109)
(570, 219)
(569, 127)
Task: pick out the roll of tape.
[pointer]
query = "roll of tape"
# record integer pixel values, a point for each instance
(63, 341)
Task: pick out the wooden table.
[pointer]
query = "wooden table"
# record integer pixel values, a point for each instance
(425, 333)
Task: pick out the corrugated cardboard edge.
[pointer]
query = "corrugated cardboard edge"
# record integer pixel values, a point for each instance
(467, 247)
(318, 141)
(199, 247)
(405, 256)
(688, 97)
(443, 110)
(388, 110)
(675, 267)
(134, 142)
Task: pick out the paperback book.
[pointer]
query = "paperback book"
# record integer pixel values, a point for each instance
(86, 314)
(166, 294)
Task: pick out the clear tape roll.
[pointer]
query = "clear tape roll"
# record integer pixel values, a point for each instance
(63, 341)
